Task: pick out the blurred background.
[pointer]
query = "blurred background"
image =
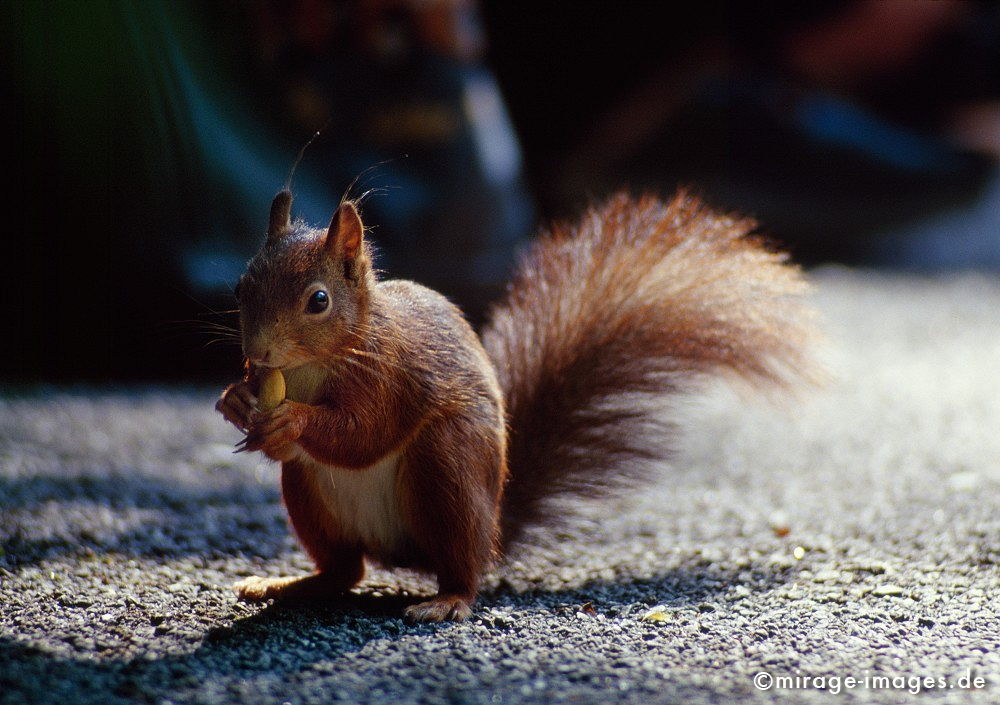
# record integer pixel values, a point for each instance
(146, 140)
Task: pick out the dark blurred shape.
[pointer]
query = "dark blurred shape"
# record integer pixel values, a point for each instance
(834, 123)
(152, 137)
(411, 111)
(147, 140)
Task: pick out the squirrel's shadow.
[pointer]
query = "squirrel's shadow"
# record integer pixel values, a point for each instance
(302, 640)
(283, 642)
(250, 517)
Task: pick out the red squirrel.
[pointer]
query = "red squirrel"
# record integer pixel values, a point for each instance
(408, 440)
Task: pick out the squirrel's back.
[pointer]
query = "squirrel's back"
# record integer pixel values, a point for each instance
(422, 321)
(603, 319)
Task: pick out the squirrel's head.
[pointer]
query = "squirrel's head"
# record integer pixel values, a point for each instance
(306, 292)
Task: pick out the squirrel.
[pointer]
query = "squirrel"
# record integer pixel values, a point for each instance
(408, 440)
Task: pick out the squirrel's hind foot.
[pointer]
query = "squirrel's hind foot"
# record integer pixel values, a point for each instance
(311, 587)
(442, 608)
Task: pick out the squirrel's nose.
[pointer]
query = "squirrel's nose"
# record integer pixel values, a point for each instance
(258, 351)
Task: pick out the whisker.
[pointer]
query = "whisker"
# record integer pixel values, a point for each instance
(221, 341)
(375, 360)
(380, 190)
(350, 372)
(208, 309)
(211, 324)
(363, 172)
(226, 312)
(231, 332)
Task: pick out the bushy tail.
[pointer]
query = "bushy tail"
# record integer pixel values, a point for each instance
(606, 318)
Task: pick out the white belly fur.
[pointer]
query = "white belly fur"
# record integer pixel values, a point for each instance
(364, 504)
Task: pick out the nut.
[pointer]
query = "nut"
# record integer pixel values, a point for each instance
(272, 390)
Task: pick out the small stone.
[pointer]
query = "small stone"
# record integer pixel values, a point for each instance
(656, 615)
(963, 481)
(826, 576)
(778, 522)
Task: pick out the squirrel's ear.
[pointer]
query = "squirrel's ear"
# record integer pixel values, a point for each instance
(281, 215)
(343, 239)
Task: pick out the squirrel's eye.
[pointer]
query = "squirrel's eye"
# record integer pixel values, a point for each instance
(318, 302)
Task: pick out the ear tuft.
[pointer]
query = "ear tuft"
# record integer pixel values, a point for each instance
(281, 215)
(343, 239)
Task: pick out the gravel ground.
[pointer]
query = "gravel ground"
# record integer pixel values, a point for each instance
(851, 533)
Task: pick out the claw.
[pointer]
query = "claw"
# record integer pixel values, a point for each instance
(243, 445)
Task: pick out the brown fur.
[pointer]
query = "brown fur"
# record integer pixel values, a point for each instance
(601, 319)
(606, 317)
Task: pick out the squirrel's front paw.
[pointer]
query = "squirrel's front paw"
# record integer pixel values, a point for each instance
(238, 405)
(275, 434)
